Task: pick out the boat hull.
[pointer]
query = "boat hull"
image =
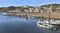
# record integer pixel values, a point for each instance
(48, 27)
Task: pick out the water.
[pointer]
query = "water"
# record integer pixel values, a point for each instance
(20, 25)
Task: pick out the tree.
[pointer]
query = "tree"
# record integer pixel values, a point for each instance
(11, 8)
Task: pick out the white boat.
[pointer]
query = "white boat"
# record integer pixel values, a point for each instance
(49, 24)
(46, 26)
(4, 13)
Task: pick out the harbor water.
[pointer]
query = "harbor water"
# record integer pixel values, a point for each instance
(20, 25)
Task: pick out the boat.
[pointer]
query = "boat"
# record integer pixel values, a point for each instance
(4, 13)
(46, 26)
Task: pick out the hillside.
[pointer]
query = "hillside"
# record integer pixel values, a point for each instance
(55, 7)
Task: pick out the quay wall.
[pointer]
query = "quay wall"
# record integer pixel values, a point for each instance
(55, 15)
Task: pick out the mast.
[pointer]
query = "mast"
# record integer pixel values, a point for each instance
(50, 10)
(44, 19)
(49, 18)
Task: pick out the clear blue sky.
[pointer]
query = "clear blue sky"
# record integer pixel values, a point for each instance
(4, 3)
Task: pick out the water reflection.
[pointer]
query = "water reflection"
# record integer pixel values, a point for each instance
(19, 25)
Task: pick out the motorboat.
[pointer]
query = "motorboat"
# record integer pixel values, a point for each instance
(44, 25)
(49, 24)
(4, 13)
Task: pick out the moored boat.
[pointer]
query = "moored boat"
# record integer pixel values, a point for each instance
(46, 26)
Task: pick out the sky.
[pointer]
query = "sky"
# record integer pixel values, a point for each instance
(6, 3)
